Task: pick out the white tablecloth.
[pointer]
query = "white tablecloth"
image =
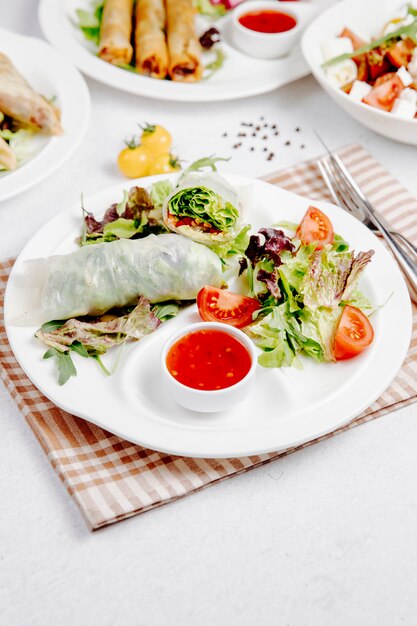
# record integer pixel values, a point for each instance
(325, 536)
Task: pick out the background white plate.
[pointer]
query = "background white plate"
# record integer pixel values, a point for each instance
(287, 407)
(240, 76)
(51, 75)
(368, 24)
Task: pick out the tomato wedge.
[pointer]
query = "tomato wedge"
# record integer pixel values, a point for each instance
(354, 334)
(384, 95)
(315, 227)
(401, 52)
(218, 305)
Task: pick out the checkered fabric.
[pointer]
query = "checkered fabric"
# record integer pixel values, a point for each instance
(111, 479)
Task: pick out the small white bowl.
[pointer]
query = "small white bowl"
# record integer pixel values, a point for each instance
(209, 401)
(269, 45)
(329, 24)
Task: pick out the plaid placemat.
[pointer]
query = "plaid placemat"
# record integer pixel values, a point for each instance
(111, 479)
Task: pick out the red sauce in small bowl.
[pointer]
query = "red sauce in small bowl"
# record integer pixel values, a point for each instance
(208, 360)
(268, 21)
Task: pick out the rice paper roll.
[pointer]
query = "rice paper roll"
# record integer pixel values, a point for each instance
(115, 32)
(8, 160)
(150, 43)
(203, 207)
(20, 102)
(99, 277)
(183, 45)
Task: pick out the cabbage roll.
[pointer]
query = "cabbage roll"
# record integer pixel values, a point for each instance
(115, 32)
(22, 103)
(96, 278)
(183, 45)
(8, 159)
(203, 207)
(150, 44)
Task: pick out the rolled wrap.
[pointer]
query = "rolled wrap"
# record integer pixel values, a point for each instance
(183, 45)
(150, 44)
(96, 278)
(203, 207)
(115, 32)
(19, 101)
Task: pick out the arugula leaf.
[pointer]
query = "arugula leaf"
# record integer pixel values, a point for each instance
(66, 367)
(48, 327)
(165, 312)
(200, 164)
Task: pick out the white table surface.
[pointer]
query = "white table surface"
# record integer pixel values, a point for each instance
(325, 536)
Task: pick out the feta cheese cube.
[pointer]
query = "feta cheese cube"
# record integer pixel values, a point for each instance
(404, 109)
(404, 76)
(360, 90)
(410, 95)
(335, 47)
(342, 73)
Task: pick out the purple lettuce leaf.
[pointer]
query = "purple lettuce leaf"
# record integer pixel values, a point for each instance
(268, 243)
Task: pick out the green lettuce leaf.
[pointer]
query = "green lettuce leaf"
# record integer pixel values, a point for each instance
(204, 205)
(332, 277)
(90, 22)
(281, 337)
(159, 192)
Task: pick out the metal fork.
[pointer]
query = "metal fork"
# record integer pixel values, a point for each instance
(348, 195)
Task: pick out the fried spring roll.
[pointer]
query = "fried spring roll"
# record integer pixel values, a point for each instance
(116, 29)
(150, 44)
(8, 159)
(22, 103)
(183, 45)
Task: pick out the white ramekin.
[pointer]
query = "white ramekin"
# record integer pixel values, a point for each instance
(206, 401)
(269, 45)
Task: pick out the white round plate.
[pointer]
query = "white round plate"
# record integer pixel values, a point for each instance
(368, 24)
(240, 76)
(52, 76)
(287, 407)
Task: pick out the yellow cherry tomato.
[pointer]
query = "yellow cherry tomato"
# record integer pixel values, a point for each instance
(164, 164)
(156, 138)
(134, 161)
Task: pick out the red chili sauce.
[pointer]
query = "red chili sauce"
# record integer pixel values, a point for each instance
(268, 21)
(208, 360)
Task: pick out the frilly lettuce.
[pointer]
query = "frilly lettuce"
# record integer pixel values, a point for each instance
(208, 205)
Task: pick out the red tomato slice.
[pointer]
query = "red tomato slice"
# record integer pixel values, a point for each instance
(218, 305)
(354, 334)
(384, 95)
(384, 79)
(400, 53)
(315, 227)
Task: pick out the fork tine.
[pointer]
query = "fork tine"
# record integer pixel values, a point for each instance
(346, 192)
(338, 189)
(323, 171)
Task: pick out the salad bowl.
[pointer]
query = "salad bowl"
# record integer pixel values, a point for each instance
(286, 407)
(369, 24)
